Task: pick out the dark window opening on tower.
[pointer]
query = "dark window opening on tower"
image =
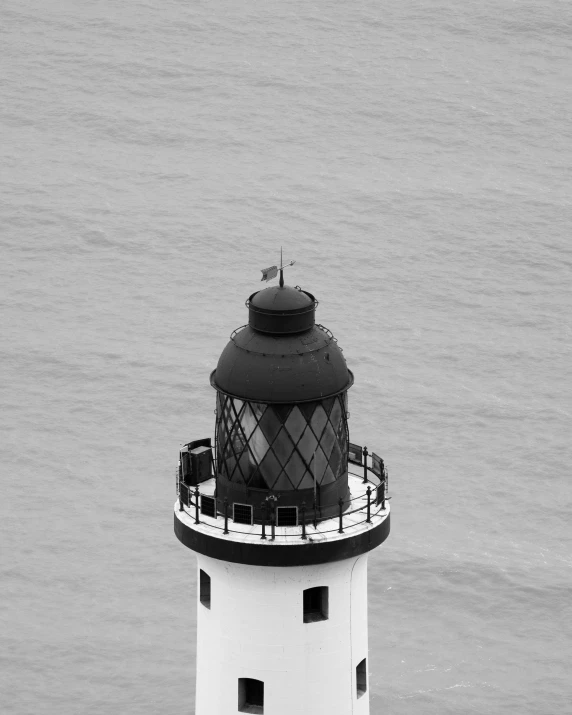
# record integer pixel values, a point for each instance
(242, 514)
(316, 604)
(205, 588)
(208, 506)
(361, 678)
(250, 695)
(287, 516)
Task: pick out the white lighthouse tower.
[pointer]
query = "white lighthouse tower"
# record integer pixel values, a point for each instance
(281, 512)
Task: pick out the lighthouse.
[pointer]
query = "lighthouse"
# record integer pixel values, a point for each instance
(281, 510)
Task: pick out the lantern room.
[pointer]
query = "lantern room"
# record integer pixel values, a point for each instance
(281, 409)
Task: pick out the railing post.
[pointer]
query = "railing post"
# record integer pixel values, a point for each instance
(382, 487)
(303, 512)
(368, 504)
(225, 516)
(273, 526)
(196, 505)
(365, 453)
(264, 512)
(341, 505)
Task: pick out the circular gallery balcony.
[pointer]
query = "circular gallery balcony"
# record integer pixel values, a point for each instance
(287, 535)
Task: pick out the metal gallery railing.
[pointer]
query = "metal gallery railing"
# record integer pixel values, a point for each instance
(375, 475)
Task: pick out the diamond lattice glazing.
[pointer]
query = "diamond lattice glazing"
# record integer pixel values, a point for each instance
(281, 447)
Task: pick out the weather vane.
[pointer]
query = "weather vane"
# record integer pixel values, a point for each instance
(269, 273)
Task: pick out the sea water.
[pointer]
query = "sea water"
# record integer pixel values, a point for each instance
(414, 158)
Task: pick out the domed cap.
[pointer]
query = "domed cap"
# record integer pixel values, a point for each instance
(282, 356)
(281, 310)
(284, 368)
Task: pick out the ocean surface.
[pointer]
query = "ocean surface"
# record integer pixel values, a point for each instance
(414, 158)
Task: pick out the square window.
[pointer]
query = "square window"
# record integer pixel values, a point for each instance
(208, 506)
(242, 514)
(287, 516)
(250, 695)
(361, 678)
(316, 604)
(205, 589)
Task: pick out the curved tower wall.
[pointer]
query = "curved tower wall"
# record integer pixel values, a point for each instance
(254, 628)
(281, 512)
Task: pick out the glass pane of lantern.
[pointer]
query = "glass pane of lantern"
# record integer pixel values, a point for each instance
(237, 406)
(295, 424)
(327, 440)
(269, 469)
(222, 436)
(248, 421)
(237, 440)
(283, 482)
(307, 481)
(295, 469)
(307, 445)
(229, 465)
(243, 469)
(258, 409)
(257, 445)
(318, 420)
(336, 414)
(270, 424)
(282, 411)
(319, 465)
(336, 460)
(328, 403)
(256, 481)
(342, 431)
(307, 409)
(328, 477)
(282, 446)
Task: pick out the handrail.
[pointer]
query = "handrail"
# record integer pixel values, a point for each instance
(372, 507)
(238, 330)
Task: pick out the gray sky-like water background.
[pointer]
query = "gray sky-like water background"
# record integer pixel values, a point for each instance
(415, 159)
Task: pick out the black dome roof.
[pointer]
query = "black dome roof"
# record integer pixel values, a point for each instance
(282, 356)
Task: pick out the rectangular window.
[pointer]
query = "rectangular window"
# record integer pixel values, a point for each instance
(242, 514)
(185, 494)
(316, 604)
(287, 516)
(208, 506)
(250, 695)
(361, 678)
(205, 588)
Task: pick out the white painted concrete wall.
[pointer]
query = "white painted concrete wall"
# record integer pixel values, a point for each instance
(255, 629)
